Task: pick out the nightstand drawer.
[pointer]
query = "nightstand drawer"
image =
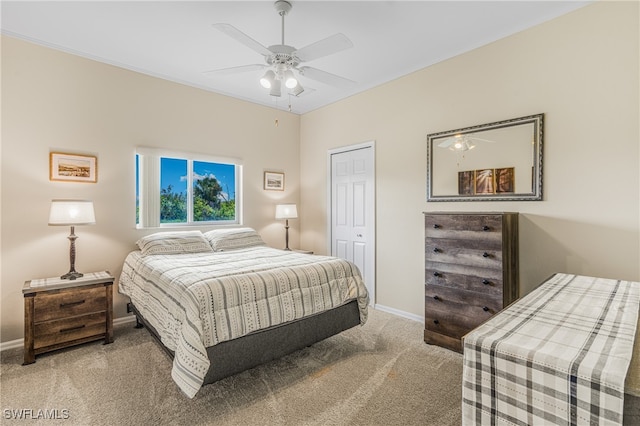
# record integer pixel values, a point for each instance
(69, 303)
(66, 330)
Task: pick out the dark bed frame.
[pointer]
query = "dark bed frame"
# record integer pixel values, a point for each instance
(234, 356)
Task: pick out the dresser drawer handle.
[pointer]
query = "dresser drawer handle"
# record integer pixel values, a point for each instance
(485, 254)
(436, 322)
(485, 309)
(485, 228)
(436, 297)
(68, 305)
(66, 330)
(486, 282)
(437, 274)
(436, 226)
(436, 250)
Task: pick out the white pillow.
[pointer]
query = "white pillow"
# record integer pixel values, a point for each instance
(234, 238)
(177, 242)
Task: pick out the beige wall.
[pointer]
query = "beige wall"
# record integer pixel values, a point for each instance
(581, 70)
(60, 102)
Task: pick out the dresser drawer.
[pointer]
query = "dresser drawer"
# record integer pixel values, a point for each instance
(461, 255)
(468, 227)
(451, 323)
(467, 303)
(69, 303)
(66, 330)
(487, 281)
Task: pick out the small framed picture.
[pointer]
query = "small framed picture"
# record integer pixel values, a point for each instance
(484, 181)
(466, 182)
(505, 180)
(274, 181)
(73, 167)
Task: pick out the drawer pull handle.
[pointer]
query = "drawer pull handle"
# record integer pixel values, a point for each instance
(486, 282)
(485, 228)
(436, 322)
(66, 330)
(437, 274)
(69, 304)
(485, 254)
(436, 250)
(436, 297)
(485, 309)
(436, 226)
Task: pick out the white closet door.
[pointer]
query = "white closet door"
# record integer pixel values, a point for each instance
(353, 211)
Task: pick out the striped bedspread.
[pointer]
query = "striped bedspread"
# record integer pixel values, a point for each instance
(198, 300)
(559, 355)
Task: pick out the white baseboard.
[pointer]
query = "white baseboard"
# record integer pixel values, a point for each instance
(399, 313)
(19, 343)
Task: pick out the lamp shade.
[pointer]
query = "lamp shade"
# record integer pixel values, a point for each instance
(71, 212)
(286, 211)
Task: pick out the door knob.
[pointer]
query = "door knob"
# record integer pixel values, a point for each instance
(359, 235)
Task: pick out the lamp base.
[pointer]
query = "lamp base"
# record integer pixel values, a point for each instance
(71, 275)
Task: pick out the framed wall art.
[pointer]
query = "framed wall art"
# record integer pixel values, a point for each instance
(73, 167)
(505, 180)
(274, 181)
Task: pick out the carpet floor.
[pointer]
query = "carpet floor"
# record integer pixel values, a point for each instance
(379, 374)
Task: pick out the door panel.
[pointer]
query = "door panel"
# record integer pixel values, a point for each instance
(353, 211)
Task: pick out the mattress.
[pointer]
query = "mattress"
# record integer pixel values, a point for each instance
(198, 300)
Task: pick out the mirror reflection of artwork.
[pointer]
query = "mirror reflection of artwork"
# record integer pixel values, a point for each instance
(484, 181)
(505, 180)
(466, 182)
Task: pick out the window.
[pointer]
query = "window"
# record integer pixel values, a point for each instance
(186, 189)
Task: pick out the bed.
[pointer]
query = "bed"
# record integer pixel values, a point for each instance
(566, 353)
(221, 302)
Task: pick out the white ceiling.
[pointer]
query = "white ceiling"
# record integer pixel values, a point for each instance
(175, 40)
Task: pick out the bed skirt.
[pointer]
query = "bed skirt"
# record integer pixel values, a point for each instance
(237, 355)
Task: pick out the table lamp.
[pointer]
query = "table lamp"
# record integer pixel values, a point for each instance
(286, 211)
(71, 213)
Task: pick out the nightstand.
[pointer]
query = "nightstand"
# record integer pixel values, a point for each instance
(60, 313)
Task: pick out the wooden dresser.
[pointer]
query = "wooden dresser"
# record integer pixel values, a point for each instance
(60, 313)
(471, 272)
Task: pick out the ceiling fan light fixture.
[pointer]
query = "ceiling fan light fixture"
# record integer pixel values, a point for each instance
(268, 79)
(275, 89)
(297, 90)
(289, 79)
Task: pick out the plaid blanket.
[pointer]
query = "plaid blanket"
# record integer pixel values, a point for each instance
(198, 300)
(557, 356)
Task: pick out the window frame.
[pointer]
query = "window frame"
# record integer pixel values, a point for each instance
(148, 187)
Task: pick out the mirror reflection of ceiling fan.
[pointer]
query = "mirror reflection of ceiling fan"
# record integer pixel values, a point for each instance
(282, 62)
(461, 142)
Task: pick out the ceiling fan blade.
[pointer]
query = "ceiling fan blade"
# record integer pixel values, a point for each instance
(235, 33)
(324, 47)
(234, 70)
(480, 139)
(325, 77)
(447, 142)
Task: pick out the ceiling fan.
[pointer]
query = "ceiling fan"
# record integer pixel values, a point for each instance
(461, 142)
(282, 60)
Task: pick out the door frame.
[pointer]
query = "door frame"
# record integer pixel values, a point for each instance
(369, 144)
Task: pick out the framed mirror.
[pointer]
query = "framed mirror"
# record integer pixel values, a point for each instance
(499, 161)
